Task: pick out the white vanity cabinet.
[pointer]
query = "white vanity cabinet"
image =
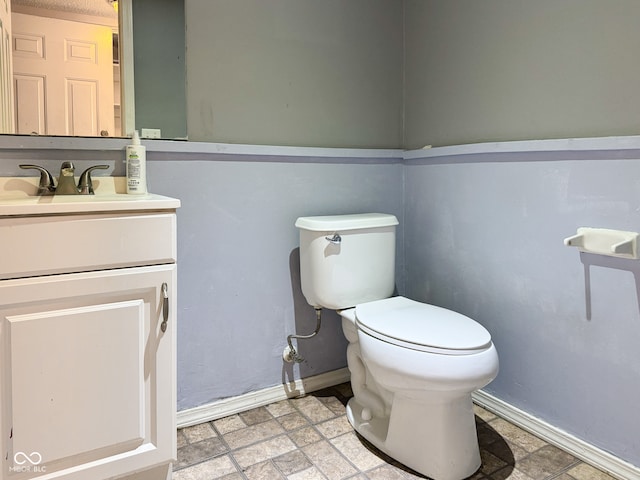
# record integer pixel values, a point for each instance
(87, 342)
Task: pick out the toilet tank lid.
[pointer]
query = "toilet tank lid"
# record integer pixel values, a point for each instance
(335, 223)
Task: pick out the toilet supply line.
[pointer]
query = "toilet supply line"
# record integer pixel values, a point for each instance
(290, 354)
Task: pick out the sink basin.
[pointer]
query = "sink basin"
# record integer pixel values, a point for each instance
(17, 197)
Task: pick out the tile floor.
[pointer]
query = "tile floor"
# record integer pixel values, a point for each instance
(309, 438)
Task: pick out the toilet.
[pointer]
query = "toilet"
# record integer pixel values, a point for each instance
(413, 365)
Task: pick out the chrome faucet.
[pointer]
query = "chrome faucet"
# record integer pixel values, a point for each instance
(66, 180)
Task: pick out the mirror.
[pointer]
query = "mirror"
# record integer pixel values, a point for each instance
(67, 67)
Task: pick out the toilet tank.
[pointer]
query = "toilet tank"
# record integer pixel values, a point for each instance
(346, 260)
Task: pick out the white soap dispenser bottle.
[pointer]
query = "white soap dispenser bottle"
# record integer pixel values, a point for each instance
(136, 159)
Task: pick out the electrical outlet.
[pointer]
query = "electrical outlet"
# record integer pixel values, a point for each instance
(150, 133)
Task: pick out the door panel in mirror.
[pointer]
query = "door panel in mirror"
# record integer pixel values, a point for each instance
(75, 77)
(75, 84)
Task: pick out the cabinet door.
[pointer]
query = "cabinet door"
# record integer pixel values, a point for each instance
(87, 373)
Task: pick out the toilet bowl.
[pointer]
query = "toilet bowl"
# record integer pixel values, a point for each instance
(413, 368)
(413, 365)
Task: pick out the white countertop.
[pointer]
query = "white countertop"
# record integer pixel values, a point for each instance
(17, 198)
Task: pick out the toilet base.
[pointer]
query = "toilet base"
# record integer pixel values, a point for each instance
(436, 437)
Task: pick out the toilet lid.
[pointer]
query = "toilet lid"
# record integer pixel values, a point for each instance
(420, 326)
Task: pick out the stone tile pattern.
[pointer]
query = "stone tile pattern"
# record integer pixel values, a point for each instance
(309, 438)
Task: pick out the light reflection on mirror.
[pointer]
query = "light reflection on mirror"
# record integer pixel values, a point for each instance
(65, 69)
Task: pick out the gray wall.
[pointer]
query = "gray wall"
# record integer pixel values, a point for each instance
(238, 276)
(508, 70)
(295, 72)
(238, 266)
(484, 236)
(291, 72)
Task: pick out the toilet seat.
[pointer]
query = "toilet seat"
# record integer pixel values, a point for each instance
(419, 326)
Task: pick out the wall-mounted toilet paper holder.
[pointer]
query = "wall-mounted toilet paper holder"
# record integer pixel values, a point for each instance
(603, 241)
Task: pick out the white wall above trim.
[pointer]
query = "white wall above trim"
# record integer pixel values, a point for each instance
(584, 451)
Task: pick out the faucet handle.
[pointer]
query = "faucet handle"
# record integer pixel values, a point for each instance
(85, 184)
(46, 185)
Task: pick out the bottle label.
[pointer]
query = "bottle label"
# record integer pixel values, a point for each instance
(133, 168)
(136, 175)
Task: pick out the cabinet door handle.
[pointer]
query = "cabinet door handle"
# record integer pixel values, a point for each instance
(165, 308)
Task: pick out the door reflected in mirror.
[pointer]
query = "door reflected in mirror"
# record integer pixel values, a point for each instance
(63, 73)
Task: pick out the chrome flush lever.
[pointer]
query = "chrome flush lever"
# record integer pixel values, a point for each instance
(336, 239)
(165, 308)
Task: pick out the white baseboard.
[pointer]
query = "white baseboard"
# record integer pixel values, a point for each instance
(230, 406)
(578, 448)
